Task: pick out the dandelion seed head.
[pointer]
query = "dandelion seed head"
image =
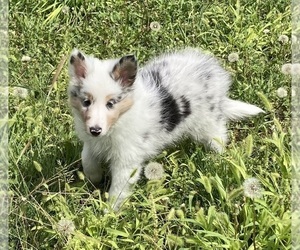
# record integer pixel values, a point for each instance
(281, 92)
(25, 59)
(252, 188)
(283, 38)
(66, 227)
(286, 68)
(154, 171)
(19, 92)
(155, 26)
(233, 57)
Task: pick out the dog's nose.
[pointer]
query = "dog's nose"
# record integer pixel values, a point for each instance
(95, 131)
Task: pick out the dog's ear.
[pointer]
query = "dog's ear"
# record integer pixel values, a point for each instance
(125, 70)
(77, 68)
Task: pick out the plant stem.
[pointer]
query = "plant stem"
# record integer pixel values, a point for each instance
(254, 229)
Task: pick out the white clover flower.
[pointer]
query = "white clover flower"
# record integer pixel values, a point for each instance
(154, 171)
(19, 92)
(286, 68)
(155, 26)
(281, 92)
(25, 58)
(66, 227)
(233, 57)
(252, 188)
(295, 69)
(283, 38)
(266, 31)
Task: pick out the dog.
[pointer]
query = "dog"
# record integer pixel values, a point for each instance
(124, 115)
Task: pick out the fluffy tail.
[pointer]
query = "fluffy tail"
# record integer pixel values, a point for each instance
(235, 110)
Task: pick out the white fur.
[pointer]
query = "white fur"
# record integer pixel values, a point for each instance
(139, 134)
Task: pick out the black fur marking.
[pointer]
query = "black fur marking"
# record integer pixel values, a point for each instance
(75, 91)
(129, 58)
(220, 107)
(156, 78)
(207, 76)
(164, 64)
(170, 113)
(161, 64)
(72, 59)
(119, 98)
(80, 56)
(146, 136)
(220, 117)
(186, 107)
(209, 97)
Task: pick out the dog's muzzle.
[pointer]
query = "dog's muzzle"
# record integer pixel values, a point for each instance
(95, 131)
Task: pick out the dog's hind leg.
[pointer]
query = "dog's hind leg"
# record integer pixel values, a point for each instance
(213, 136)
(91, 166)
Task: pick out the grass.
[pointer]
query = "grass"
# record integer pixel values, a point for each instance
(199, 204)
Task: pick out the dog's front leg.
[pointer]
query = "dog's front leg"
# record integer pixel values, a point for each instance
(91, 165)
(123, 178)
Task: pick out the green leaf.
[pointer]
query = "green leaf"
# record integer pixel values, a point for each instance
(133, 173)
(235, 193)
(216, 235)
(171, 214)
(201, 218)
(117, 232)
(266, 102)
(206, 183)
(179, 213)
(249, 145)
(53, 15)
(175, 240)
(37, 166)
(217, 183)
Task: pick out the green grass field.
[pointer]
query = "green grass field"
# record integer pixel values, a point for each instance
(200, 203)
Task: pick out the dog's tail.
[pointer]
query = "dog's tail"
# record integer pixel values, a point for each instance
(235, 110)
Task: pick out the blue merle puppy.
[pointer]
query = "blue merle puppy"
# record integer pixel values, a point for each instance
(125, 115)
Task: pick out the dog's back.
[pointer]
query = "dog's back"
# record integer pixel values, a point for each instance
(191, 89)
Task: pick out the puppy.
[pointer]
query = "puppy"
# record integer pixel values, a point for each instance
(125, 115)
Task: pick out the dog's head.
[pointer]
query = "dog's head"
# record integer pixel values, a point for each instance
(100, 91)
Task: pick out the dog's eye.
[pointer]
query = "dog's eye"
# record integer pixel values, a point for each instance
(86, 103)
(110, 104)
